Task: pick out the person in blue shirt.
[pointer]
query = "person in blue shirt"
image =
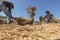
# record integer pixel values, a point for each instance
(49, 16)
(6, 11)
(9, 5)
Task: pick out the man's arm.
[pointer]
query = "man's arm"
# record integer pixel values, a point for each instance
(44, 17)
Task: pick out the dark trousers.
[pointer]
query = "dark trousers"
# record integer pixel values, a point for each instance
(48, 20)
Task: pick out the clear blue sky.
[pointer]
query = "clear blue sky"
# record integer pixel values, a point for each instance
(42, 5)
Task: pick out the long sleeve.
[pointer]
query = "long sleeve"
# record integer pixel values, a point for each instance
(44, 17)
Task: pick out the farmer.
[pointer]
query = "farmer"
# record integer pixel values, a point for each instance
(6, 11)
(40, 19)
(49, 16)
(9, 5)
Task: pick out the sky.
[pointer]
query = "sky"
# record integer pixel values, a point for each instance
(20, 7)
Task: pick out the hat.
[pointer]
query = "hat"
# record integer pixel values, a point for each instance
(47, 12)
